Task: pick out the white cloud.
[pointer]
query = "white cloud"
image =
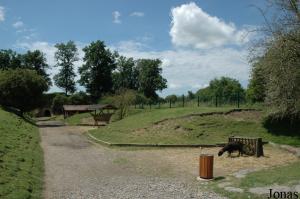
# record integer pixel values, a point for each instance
(193, 27)
(18, 24)
(190, 69)
(116, 17)
(2, 14)
(137, 14)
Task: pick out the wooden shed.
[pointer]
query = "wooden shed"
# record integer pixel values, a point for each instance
(74, 109)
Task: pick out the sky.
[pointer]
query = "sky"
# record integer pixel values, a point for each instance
(196, 40)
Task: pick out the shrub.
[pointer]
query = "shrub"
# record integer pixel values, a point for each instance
(280, 124)
(123, 99)
(79, 98)
(58, 102)
(21, 89)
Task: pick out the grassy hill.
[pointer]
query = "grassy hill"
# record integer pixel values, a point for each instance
(21, 158)
(143, 127)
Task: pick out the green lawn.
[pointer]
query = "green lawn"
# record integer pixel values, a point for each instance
(140, 128)
(288, 175)
(21, 158)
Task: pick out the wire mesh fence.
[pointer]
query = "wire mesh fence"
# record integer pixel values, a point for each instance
(184, 101)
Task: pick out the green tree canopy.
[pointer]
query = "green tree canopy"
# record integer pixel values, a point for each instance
(225, 89)
(256, 91)
(173, 98)
(65, 56)
(277, 55)
(10, 59)
(150, 78)
(33, 60)
(37, 61)
(126, 75)
(96, 72)
(21, 88)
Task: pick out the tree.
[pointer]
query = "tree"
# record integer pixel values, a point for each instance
(281, 67)
(37, 61)
(58, 102)
(10, 59)
(79, 98)
(30, 60)
(140, 99)
(278, 53)
(123, 99)
(191, 95)
(126, 75)
(172, 98)
(227, 89)
(256, 91)
(21, 89)
(205, 94)
(150, 78)
(96, 72)
(65, 56)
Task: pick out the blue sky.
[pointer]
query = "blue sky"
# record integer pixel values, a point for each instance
(196, 40)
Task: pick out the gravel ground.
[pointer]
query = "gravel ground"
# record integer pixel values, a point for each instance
(77, 168)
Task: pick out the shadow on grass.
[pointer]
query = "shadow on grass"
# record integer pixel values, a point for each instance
(283, 125)
(17, 112)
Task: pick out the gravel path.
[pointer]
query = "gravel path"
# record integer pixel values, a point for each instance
(77, 168)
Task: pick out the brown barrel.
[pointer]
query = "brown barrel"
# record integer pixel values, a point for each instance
(206, 166)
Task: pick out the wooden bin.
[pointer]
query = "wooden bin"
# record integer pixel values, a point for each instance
(206, 166)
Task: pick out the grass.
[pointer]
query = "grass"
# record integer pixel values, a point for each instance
(122, 131)
(21, 158)
(76, 119)
(287, 175)
(139, 128)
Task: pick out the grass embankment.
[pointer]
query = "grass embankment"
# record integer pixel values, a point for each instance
(21, 158)
(140, 128)
(126, 130)
(287, 175)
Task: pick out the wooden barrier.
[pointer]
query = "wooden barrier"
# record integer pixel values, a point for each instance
(254, 145)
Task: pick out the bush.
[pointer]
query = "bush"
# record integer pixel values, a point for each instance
(123, 99)
(21, 89)
(280, 124)
(58, 102)
(79, 98)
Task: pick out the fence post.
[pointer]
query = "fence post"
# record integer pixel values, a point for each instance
(198, 101)
(182, 100)
(238, 99)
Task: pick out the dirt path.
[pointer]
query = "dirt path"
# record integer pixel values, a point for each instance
(77, 168)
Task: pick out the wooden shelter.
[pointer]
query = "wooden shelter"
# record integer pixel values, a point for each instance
(73, 109)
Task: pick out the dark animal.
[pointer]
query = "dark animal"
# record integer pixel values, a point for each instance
(231, 147)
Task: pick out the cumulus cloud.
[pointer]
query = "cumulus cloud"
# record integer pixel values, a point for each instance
(116, 17)
(18, 24)
(2, 14)
(137, 14)
(193, 27)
